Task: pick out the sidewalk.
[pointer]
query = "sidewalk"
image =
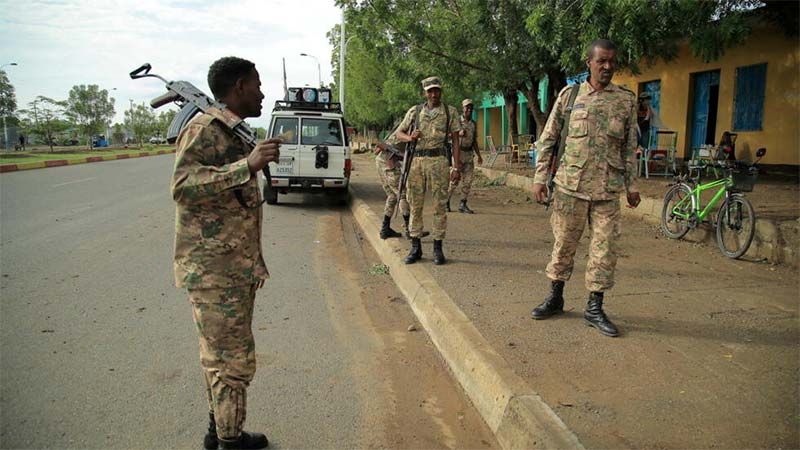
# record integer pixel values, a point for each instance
(707, 359)
(776, 200)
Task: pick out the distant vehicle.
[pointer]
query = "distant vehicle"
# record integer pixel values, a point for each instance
(158, 140)
(315, 154)
(99, 141)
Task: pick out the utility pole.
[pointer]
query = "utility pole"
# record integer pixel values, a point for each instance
(319, 70)
(341, 64)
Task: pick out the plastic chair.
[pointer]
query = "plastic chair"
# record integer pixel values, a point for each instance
(660, 149)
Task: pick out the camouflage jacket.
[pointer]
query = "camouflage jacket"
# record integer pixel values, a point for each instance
(432, 125)
(598, 161)
(217, 241)
(468, 139)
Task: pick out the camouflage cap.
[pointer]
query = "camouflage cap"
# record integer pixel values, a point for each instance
(431, 82)
(465, 102)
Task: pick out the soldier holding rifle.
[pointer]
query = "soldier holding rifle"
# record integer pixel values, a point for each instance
(432, 123)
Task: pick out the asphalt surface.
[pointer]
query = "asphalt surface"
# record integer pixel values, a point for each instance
(98, 349)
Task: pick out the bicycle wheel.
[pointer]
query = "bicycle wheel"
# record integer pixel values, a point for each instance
(677, 199)
(736, 225)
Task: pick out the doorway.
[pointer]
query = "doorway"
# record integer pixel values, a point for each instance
(705, 103)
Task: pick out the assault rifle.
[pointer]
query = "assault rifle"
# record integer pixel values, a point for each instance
(192, 101)
(558, 148)
(406, 169)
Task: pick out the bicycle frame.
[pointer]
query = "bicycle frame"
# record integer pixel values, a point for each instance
(722, 184)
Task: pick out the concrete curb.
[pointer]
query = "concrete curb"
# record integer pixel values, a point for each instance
(70, 162)
(514, 412)
(774, 241)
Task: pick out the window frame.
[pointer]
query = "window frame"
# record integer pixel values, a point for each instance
(736, 81)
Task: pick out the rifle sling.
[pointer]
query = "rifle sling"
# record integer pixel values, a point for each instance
(562, 142)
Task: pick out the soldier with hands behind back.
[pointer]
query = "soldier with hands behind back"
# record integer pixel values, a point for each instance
(469, 149)
(432, 122)
(596, 167)
(218, 256)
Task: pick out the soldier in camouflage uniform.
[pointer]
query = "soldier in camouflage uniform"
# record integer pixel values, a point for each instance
(218, 246)
(469, 149)
(388, 158)
(429, 168)
(597, 165)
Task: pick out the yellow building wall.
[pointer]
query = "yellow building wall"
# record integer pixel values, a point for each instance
(781, 117)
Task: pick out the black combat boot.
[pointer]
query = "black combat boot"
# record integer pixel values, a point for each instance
(553, 304)
(245, 441)
(210, 440)
(595, 317)
(386, 230)
(463, 208)
(438, 254)
(448, 205)
(416, 252)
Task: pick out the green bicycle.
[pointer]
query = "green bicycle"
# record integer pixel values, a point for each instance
(735, 221)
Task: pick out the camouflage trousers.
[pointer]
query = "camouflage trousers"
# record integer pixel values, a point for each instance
(570, 216)
(428, 174)
(467, 174)
(390, 180)
(227, 352)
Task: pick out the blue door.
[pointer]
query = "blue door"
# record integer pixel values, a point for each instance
(704, 107)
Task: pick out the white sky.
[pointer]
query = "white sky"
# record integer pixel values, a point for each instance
(59, 44)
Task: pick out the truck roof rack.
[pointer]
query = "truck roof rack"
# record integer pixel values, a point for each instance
(284, 105)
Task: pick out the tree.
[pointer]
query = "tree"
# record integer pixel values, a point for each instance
(8, 102)
(163, 121)
(45, 118)
(90, 108)
(507, 46)
(142, 121)
(118, 134)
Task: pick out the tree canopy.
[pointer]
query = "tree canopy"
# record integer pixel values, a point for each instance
(90, 108)
(507, 46)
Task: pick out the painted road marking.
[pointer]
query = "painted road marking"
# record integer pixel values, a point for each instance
(72, 182)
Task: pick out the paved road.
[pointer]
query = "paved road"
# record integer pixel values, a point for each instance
(98, 350)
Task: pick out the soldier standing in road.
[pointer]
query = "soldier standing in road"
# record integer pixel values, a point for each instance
(218, 254)
(432, 122)
(597, 165)
(468, 145)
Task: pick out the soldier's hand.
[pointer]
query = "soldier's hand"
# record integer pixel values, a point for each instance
(379, 148)
(539, 192)
(264, 153)
(455, 175)
(415, 135)
(633, 199)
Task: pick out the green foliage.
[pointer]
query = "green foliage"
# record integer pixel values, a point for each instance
(8, 99)
(505, 46)
(118, 134)
(90, 108)
(163, 121)
(142, 121)
(44, 119)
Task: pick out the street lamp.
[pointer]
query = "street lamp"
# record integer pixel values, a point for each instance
(5, 113)
(342, 55)
(319, 71)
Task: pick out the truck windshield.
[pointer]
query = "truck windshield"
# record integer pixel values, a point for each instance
(321, 132)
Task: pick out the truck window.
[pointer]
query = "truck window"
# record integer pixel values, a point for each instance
(321, 131)
(285, 128)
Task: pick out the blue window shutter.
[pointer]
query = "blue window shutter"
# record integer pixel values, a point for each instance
(748, 107)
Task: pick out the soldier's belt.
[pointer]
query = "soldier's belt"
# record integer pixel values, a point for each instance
(433, 152)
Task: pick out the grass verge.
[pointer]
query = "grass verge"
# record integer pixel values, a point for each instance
(75, 154)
